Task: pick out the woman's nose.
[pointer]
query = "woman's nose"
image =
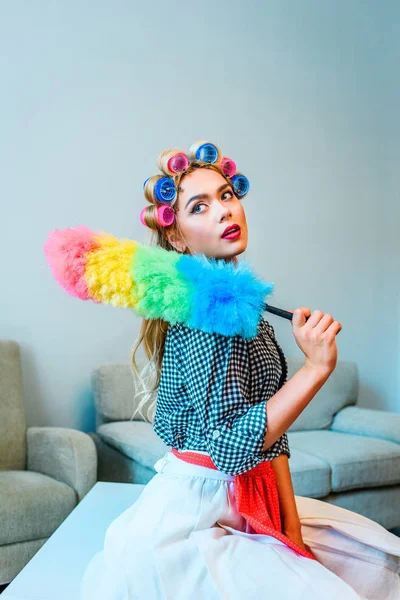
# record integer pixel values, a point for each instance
(225, 212)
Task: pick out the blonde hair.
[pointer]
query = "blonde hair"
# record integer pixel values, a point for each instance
(153, 332)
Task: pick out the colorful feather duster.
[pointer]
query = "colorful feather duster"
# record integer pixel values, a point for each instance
(199, 292)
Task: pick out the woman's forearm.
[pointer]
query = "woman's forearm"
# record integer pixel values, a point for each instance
(285, 406)
(287, 503)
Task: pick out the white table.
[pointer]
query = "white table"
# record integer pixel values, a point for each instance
(55, 572)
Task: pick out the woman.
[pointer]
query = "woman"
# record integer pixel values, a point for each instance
(220, 518)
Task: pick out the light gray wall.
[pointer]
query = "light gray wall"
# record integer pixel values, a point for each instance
(299, 94)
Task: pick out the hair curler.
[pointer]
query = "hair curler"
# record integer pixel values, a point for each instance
(228, 166)
(240, 184)
(142, 216)
(204, 151)
(165, 190)
(173, 162)
(165, 215)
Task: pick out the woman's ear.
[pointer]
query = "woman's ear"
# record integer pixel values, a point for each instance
(176, 243)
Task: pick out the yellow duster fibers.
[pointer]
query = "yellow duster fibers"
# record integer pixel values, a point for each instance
(108, 271)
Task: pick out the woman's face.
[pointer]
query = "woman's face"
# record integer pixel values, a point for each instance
(205, 207)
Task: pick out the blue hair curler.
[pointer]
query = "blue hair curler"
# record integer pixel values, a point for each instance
(207, 153)
(144, 184)
(165, 190)
(240, 184)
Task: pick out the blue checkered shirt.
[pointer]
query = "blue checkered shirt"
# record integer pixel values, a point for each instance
(213, 393)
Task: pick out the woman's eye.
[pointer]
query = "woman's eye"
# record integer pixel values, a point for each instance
(225, 196)
(194, 208)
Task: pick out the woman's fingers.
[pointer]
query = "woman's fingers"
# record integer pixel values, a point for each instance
(319, 321)
(324, 324)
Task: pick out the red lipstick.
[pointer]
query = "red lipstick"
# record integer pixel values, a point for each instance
(231, 232)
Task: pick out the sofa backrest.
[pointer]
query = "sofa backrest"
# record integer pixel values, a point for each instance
(341, 389)
(12, 413)
(115, 393)
(114, 388)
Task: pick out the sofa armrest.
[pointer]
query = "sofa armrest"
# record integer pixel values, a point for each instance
(67, 455)
(368, 422)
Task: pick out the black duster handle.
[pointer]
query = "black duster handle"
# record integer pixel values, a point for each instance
(282, 313)
(279, 311)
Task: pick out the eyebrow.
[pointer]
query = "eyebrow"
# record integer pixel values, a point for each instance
(205, 196)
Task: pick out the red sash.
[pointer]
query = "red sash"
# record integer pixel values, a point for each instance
(256, 497)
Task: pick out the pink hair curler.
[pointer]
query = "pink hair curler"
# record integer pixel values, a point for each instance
(165, 215)
(142, 216)
(228, 166)
(178, 163)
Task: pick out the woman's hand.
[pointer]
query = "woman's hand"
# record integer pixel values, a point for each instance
(316, 338)
(294, 534)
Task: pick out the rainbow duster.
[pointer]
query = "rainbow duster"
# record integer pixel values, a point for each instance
(197, 291)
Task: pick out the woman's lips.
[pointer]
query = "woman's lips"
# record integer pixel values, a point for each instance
(233, 235)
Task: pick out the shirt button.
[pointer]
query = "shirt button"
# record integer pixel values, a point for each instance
(215, 434)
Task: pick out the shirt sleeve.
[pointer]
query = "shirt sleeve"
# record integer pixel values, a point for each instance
(281, 446)
(234, 430)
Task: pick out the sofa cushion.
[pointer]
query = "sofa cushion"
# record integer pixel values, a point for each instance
(135, 439)
(311, 476)
(340, 389)
(355, 461)
(32, 505)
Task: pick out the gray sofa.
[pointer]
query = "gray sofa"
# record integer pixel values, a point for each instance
(340, 452)
(44, 472)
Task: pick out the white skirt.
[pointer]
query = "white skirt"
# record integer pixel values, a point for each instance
(183, 539)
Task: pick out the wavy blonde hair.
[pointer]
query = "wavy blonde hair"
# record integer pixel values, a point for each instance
(153, 332)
